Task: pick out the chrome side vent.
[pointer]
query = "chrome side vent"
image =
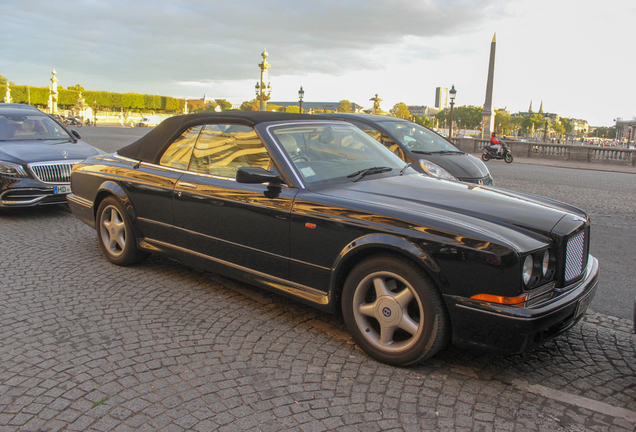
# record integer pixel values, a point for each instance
(574, 259)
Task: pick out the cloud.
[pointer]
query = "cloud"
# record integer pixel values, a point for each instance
(197, 40)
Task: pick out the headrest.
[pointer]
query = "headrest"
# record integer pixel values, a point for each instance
(288, 142)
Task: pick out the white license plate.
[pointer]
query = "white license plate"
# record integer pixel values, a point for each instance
(583, 304)
(64, 189)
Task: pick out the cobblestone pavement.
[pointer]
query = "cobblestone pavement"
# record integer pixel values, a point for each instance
(87, 345)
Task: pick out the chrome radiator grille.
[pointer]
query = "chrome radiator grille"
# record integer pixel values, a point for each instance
(574, 259)
(53, 172)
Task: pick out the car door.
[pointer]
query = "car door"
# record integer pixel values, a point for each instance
(242, 225)
(150, 187)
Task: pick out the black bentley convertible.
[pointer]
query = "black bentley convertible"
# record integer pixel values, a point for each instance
(317, 210)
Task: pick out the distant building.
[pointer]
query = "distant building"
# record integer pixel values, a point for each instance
(626, 130)
(423, 111)
(441, 98)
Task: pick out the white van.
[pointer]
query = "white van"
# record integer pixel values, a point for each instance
(149, 121)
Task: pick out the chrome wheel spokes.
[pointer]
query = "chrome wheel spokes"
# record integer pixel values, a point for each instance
(113, 231)
(388, 311)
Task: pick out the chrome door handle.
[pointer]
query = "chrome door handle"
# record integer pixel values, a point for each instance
(187, 185)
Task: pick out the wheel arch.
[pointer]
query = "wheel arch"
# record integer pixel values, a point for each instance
(376, 244)
(110, 188)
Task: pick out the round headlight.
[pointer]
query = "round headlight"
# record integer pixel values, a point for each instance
(545, 266)
(527, 270)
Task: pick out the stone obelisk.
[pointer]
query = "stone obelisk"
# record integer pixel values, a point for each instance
(488, 117)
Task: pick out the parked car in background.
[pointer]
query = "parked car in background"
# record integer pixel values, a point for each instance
(36, 157)
(315, 209)
(150, 121)
(428, 151)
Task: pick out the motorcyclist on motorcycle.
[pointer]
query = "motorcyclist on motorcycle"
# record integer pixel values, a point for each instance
(496, 143)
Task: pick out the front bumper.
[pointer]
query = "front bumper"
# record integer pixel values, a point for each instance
(512, 329)
(26, 192)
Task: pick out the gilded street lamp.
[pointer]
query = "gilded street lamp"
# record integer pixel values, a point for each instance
(261, 96)
(452, 94)
(301, 95)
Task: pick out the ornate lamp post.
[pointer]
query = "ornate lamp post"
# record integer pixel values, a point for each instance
(452, 92)
(260, 86)
(301, 95)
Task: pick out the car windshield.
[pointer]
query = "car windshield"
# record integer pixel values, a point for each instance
(417, 138)
(30, 127)
(334, 153)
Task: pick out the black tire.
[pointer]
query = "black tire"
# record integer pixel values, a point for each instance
(508, 158)
(115, 234)
(485, 157)
(393, 311)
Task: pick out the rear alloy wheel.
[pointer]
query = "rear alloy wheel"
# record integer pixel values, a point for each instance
(393, 311)
(485, 157)
(116, 237)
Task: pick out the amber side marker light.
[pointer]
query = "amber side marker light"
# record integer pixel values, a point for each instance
(500, 299)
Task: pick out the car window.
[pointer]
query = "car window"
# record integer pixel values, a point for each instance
(179, 153)
(380, 137)
(223, 148)
(23, 127)
(370, 130)
(334, 152)
(417, 138)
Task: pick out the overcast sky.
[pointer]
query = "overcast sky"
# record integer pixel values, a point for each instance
(576, 57)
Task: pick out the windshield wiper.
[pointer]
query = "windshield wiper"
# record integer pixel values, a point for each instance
(403, 170)
(375, 170)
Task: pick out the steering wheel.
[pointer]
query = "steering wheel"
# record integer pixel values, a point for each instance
(300, 158)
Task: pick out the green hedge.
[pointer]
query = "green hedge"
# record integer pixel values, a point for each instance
(105, 100)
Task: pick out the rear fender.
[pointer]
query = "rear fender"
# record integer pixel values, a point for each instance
(110, 188)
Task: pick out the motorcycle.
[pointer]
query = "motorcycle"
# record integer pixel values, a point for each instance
(491, 153)
(73, 121)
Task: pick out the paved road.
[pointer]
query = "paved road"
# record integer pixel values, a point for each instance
(87, 345)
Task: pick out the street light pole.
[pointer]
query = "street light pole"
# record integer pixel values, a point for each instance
(452, 94)
(301, 95)
(261, 88)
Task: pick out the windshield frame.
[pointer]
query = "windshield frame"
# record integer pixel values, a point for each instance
(337, 170)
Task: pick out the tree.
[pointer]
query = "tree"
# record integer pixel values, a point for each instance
(470, 115)
(344, 106)
(424, 121)
(558, 128)
(503, 122)
(567, 125)
(225, 105)
(250, 105)
(77, 87)
(400, 110)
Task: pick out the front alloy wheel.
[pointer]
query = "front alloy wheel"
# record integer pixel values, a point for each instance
(393, 311)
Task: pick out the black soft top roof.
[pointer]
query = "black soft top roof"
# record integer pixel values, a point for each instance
(151, 146)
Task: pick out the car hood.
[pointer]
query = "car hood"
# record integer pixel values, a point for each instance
(461, 165)
(499, 214)
(24, 152)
